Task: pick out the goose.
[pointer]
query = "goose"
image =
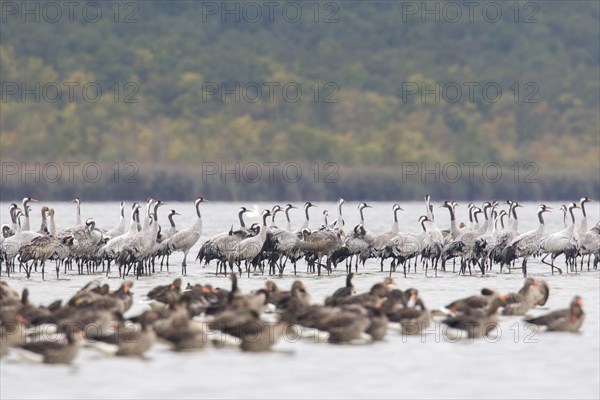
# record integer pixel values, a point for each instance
(560, 242)
(185, 239)
(476, 324)
(133, 339)
(347, 290)
(479, 302)
(413, 320)
(347, 324)
(521, 302)
(55, 352)
(566, 320)
(526, 244)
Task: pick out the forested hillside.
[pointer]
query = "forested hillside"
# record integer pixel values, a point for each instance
(523, 87)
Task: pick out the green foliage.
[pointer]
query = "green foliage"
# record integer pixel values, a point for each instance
(369, 55)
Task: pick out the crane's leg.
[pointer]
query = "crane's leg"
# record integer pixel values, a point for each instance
(183, 264)
(524, 267)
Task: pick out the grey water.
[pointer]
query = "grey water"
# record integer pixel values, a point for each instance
(514, 363)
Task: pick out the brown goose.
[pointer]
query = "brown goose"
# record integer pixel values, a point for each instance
(347, 324)
(412, 319)
(566, 320)
(224, 298)
(159, 293)
(541, 292)
(378, 323)
(345, 291)
(99, 298)
(473, 302)
(56, 352)
(133, 339)
(295, 303)
(12, 331)
(476, 323)
(274, 294)
(374, 297)
(261, 335)
(521, 302)
(180, 331)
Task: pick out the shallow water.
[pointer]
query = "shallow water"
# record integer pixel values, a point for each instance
(515, 364)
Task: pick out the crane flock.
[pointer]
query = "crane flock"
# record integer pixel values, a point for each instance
(490, 238)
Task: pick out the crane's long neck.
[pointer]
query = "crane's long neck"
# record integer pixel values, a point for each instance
(78, 213)
(13, 218)
(241, 218)
(515, 224)
(263, 229)
(307, 220)
(502, 220)
(428, 208)
(26, 217)
(133, 226)
(198, 224)
(492, 225)
(171, 221)
(19, 229)
(52, 226)
(288, 226)
(340, 219)
(122, 220)
(583, 224)
(395, 227)
(540, 229)
(572, 225)
(453, 228)
(483, 228)
(362, 217)
(44, 224)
